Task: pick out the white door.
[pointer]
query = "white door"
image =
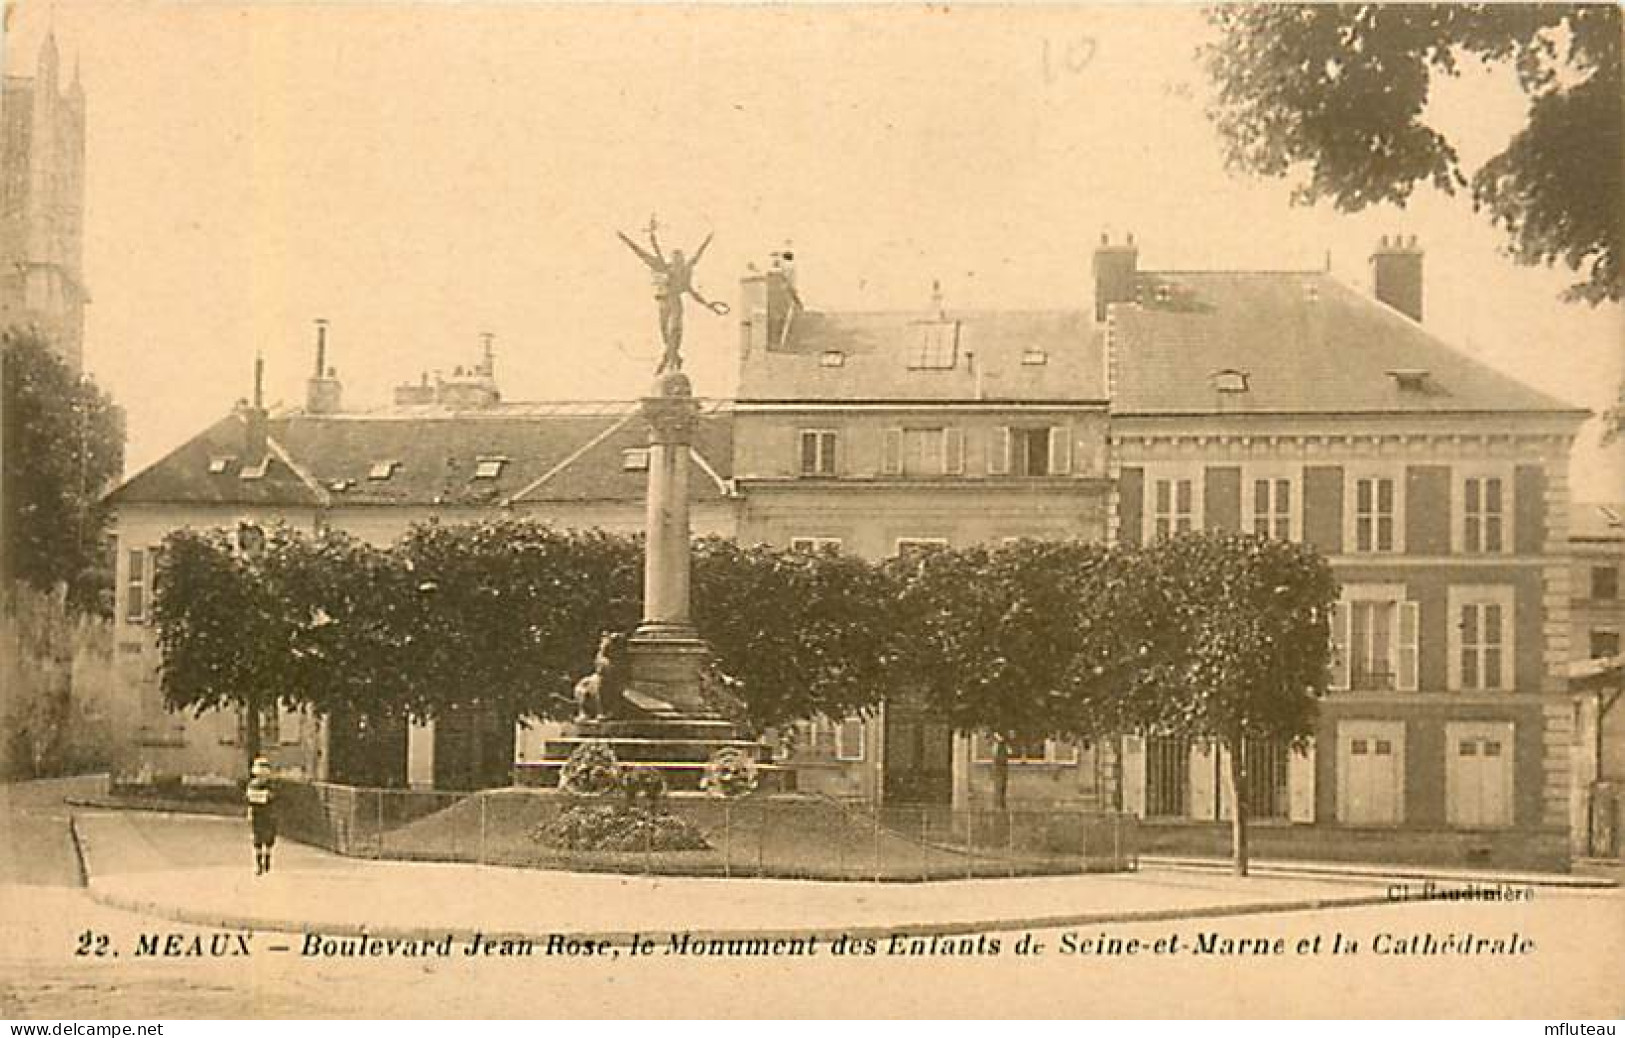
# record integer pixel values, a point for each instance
(1478, 774)
(1371, 772)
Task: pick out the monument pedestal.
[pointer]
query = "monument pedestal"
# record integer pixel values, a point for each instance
(676, 730)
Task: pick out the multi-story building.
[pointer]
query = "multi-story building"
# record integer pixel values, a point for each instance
(1597, 542)
(1287, 404)
(42, 198)
(890, 432)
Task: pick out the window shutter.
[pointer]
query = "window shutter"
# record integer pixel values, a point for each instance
(1060, 449)
(1300, 781)
(998, 454)
(1133, 775)
(953, 452)
(891, 462)
(1409, 625)
(1340, 645)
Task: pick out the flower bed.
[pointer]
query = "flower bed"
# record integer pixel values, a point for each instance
(618, 827)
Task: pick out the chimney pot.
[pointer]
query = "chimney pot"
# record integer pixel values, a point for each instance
(1396, 275)
(1116, 269)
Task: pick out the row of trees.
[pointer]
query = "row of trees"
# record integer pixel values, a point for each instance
(1211, 635)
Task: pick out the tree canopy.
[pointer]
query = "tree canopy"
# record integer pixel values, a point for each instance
(64, 445)
(1339, 92)
(503, 614)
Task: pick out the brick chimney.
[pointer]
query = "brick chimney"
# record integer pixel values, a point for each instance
(255, 419)
(422, 393)
(769, 302)
(323, 392)
(1116, 270)
(470, 388)
(1396, 275)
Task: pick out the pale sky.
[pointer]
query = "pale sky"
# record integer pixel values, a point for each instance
(418, 174)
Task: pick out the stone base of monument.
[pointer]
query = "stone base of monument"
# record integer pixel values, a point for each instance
(679, 747)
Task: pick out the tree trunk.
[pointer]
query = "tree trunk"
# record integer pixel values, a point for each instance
(1001, 772)
(251, 730)
(1238, 803)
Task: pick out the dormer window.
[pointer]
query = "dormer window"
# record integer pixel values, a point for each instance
(256, 471)
(382, 469)
(1412, 380)
(1229, 380)
(1032, 356)
(489, 468)
(635, 459)
(832, 359)
(218, 465)
(937, 348)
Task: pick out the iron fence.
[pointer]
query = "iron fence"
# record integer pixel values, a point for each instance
(785, 835)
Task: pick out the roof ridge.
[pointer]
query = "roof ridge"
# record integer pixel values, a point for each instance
(722, 484)
(570, 459)
(1434, 338)
(321, 495)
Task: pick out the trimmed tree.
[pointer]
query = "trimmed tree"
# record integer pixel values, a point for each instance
(506, 614)
(1242, 648)
(224, 626)
(794, 634)
(991, 637)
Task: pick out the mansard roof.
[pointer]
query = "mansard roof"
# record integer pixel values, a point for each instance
(1275, 342)
(1021, 356)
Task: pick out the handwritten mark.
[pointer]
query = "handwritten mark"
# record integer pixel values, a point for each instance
(1067, 57)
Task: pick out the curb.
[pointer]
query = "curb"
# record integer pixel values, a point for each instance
(1367, 873)
(622, 938)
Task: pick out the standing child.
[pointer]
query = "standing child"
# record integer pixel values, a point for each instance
(262, 814)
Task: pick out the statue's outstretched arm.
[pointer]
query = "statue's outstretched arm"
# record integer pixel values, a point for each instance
(654, 262)
(654, 242)
(717, 307)
(701, 250)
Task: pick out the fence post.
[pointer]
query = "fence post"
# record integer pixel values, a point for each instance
(378, 837)
(649, 845)
(479, 853)
(1117, 840)
(1010, 841)
(877, 842)
(925, 845)
(727, 840)
(761, 843)
(1083, 841)
(970, 843)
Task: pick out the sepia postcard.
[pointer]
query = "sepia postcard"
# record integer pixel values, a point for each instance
(786, 511)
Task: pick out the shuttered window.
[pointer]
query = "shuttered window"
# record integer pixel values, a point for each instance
(1481, 640)
(1375, 634)
(1483, 517)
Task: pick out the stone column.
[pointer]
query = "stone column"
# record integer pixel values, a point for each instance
(667, 653)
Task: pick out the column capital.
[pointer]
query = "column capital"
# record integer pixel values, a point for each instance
(672, 419)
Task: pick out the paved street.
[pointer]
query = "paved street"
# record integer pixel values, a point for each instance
(1572, 972)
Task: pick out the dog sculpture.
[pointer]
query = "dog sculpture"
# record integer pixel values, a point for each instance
(601, 694)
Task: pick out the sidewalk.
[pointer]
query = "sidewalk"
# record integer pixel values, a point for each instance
(199, 870)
